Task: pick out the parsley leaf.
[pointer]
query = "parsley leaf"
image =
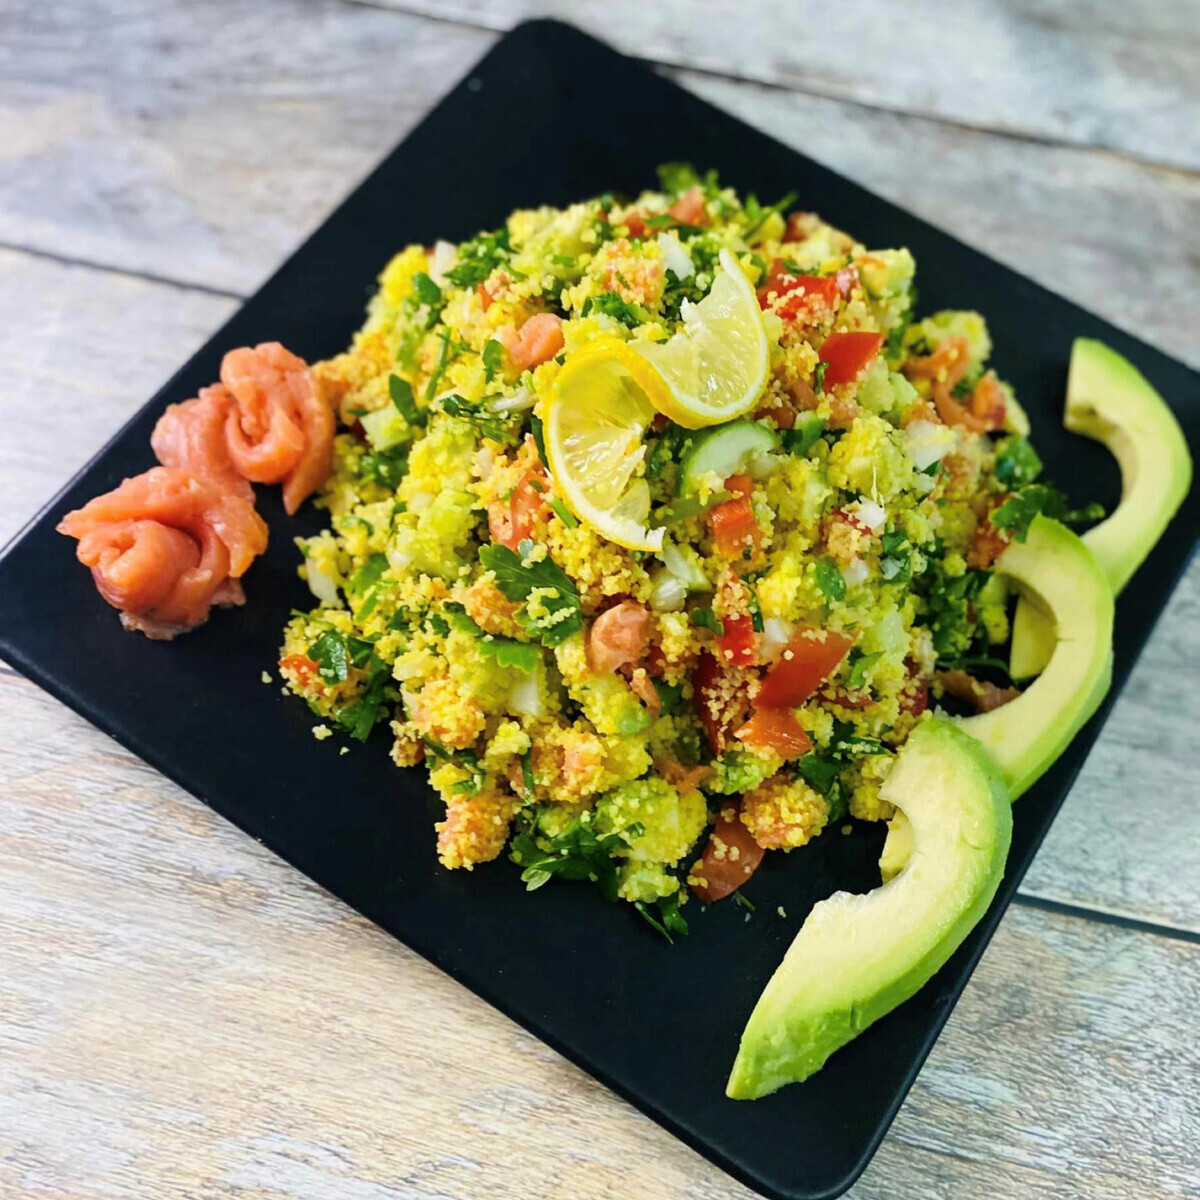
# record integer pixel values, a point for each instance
(676, 177)
(385, 467)
(367, 575)
(857, 679)
(426, 291)
(493, 359)
(668, 920)
(446, 355)
(705, 618)
(546, 584)
(359, 718)
(565, 515)
(401, 393)
(576, 853)
(332, 657)
(830, 580)
(479, 257)
(1016, 514)
(498, 427)
(819, 377)
(611, 305)
(1017, 462)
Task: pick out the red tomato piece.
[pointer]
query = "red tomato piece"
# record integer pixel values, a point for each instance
(847, 354)
(732, 523)
(485, 297)
(914, 699)
(511, 522)
(689, 208)
(776, 729)
(720, 700)
(792, 294)
(738, 644)
(730, 858)
(809, 659)
(636, 225)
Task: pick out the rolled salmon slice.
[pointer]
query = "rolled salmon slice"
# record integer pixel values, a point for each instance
(279, 428)
(165, 546)
(191, 437)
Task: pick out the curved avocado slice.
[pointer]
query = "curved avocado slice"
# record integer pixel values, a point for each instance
(1109, 400)
(857, 957)
(1026, 735)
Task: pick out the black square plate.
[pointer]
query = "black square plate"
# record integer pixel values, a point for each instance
(657, 1023)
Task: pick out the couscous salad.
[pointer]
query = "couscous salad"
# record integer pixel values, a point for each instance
(665, 533)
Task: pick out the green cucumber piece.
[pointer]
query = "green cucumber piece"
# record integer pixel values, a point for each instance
(723, 451)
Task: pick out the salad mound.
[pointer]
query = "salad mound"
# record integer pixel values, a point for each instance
(654, 527)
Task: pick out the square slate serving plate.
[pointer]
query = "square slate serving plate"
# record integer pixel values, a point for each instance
(551, 116)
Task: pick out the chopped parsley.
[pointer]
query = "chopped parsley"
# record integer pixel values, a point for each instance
(803, 436)
(449, 351)
(493, 359)
(478, 258)
(367, 575)
(499, 427)
(665, 916)
(1016, 514)
(576, 853)
(426, 291)
(819, 377)
(551, 611)
(403, 401)
(705, 618)
(1017, 462)
(830, 580)
(611, 305)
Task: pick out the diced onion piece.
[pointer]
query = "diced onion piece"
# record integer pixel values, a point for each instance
(889, 568)
(399, 559)
(525, 695)
(323, 586)
(928, 443)
(520, 400)
(855, 572)
(443, 258)
(675, 258)
(872, 515)
(668, 593)
(776, 633)
(678, 563)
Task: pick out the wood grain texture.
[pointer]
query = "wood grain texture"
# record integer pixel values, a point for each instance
(182, 1014)
(1103, 73)
(195, 144)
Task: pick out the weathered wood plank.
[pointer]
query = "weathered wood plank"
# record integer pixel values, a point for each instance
(209, 160)
(182, 1014)
(1105, 73)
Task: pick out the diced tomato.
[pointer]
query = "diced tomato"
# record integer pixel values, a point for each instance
(982, 695)
(485, 297)
(300, 666)
(656, 661)
(689, 208)
(720, 699)
(847, 281)
(847, 354)
(808, 660)
(776, 729)
(730, 858)
(853, 699)
(737, 645)
(732, 522)
(511, 522)
(791, 294)
(636, 225)
(799, 226)
(851, 519)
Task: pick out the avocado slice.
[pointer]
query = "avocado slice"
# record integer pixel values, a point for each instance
(1109, 400)
(1026, 735)
(857, 957)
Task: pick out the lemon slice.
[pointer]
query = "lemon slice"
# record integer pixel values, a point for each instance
(604, 399)
(715, 367)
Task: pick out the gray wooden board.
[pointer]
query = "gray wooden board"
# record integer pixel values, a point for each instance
(181, 1014)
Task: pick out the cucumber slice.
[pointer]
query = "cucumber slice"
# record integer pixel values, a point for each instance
(726, 450)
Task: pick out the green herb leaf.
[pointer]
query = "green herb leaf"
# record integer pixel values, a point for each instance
(667, 920)
(1017, 462)
(819, 377)
(497, 426)
(332, 657)
(527, 775)
(493, 359)
(539, 439)
(1016, 514)
(508, 652)
(611, 305)
(576, 853)
(450, 350)
(367, 575)
(565, 515)
(556, 593)
(705, 618)
(401, 393)
(857, 679)
(683, 508)
(830, 580)
(479, 257)
(426, 291)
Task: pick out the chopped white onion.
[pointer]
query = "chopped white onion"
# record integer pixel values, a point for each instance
(399, 559)
(872, 515)
(669, 592)
(675, 257)
(323, 586)
(443, 258)
(855, 572)
(927, 443)
(525, 694)
(762, 465)
(678, 564)
(522, 399)
(889, 568)
(776, 633)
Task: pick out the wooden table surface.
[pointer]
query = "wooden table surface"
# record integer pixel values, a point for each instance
(183, 1015)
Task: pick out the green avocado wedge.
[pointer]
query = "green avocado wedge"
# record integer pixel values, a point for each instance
(858, 956)
(1026, 735)
(1109, 400)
